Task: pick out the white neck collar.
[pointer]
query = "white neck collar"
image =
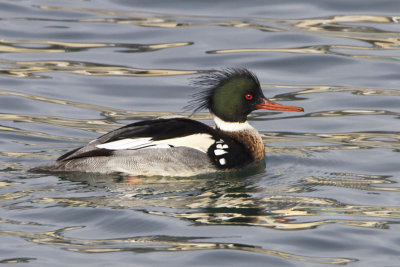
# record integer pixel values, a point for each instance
(232, 126)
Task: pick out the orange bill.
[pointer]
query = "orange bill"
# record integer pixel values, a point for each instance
(267, 104)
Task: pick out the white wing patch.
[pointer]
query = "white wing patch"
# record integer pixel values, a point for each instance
(127, 143)
(196, 141)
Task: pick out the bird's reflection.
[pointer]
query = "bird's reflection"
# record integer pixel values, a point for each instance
(236, 198)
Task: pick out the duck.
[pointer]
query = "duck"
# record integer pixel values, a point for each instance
(182, 146)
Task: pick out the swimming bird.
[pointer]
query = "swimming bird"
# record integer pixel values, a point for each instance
(181, 146)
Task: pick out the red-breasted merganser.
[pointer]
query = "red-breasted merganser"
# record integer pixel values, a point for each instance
(179, 146)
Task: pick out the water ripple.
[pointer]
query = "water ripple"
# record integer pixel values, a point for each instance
(48, 46)
(321, 49)
(143, 244)
(29, 69)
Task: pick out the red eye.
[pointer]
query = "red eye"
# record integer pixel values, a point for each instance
(249, 97)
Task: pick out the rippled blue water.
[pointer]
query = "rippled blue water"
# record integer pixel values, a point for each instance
(72, 70)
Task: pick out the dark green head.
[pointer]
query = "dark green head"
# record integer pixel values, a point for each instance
(232, 94)
(229, 94)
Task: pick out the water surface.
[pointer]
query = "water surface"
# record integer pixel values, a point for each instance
(329, 194)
